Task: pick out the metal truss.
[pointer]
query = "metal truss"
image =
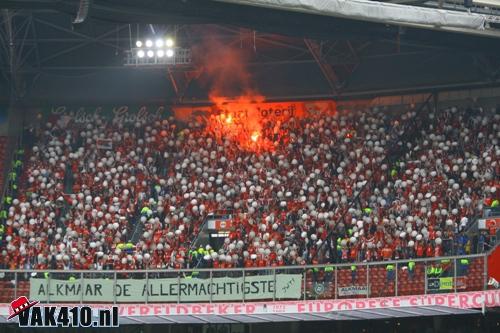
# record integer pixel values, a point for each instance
(328, 72)
(336, 59)
(50, 44)
(15, 28)
(82, 39)
(22, 60)
(489, 66)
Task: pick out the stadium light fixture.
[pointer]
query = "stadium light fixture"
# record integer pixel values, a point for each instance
(157, 50)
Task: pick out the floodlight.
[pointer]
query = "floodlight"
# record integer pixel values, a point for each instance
(159, 43)
(138, 43)
(169, 42)
(158, 56)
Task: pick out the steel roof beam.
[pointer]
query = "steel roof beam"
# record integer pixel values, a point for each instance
(98, 39)
(87, 42)
(328, 72)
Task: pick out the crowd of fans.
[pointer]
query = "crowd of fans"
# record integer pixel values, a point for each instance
(349, 187)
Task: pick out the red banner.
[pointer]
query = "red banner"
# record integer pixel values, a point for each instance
(266, 111)
(488, 223)
(220, 225)
(494, 264)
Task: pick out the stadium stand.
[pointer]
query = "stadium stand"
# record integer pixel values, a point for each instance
(105, 195)
(239, 166)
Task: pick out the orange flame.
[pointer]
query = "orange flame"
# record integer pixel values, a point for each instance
(239, 121)
(236, 119)
(255, 136)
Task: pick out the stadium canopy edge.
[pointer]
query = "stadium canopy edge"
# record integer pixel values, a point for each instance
(387, 13)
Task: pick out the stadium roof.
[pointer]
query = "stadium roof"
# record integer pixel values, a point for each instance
(289, 53)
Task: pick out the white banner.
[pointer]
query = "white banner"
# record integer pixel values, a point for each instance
(353, 290)
(465, 300)
(287, 286)
(105, 144)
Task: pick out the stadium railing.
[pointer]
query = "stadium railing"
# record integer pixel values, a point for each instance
(316, 282)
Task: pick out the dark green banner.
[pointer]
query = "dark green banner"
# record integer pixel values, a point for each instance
(119, 114)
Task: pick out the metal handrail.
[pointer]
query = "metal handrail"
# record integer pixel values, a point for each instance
(191, 245)
(51, 280)
(296, 267)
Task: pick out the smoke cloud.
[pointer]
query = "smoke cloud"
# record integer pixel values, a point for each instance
(233, 93)
(225, 72)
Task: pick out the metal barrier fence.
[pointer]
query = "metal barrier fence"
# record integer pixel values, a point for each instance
(357, 280)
